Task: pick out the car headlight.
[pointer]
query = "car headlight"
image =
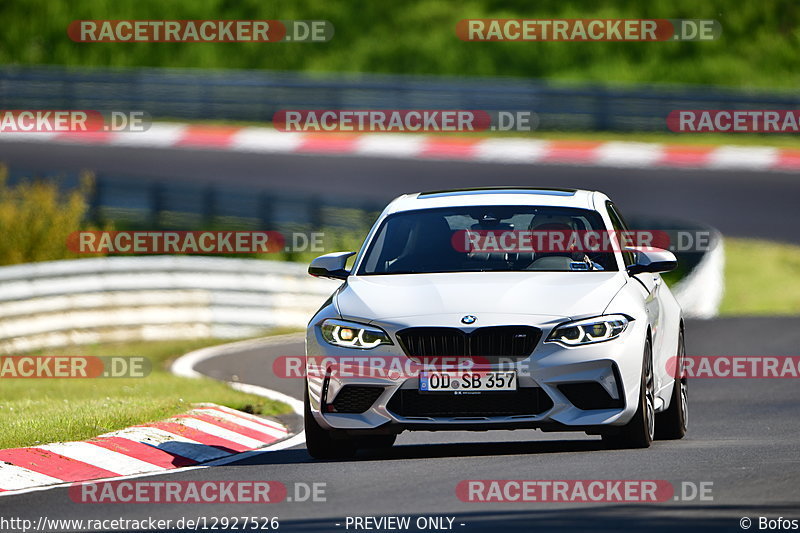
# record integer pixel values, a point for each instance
(589, 330)
(353, 334)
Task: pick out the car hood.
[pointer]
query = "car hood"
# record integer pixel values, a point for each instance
(557, 294)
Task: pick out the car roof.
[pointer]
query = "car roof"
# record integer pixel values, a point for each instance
(543, 196)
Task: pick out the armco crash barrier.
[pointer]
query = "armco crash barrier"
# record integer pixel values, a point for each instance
(615, 154)
(62, 303)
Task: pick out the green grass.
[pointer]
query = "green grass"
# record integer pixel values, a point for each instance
(38, 411)
(758, 48)
(37, 219)
(761, 278)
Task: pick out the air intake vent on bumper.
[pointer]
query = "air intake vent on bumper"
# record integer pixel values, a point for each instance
(356, 399)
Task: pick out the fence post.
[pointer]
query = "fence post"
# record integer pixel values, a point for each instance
(95, 199)
(602, 117)
(265, 211)
(156, 204)
(315, 213)
(209, 205)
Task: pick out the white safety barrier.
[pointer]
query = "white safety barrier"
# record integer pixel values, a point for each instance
(61, 303)
(700, 292)
(112, 299)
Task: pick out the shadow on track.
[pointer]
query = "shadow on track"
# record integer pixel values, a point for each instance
(606, 518)
(433, 451)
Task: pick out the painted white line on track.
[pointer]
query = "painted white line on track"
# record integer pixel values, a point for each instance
(112, 461)
(295, 404)
(13, 477)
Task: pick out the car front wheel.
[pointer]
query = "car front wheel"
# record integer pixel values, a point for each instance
(640, 431)
(673, 423)
(322, 443)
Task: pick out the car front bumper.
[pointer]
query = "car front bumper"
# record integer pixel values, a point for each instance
(560, 388)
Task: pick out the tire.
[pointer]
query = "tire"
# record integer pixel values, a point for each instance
(640, 431)
(673, 423)
(322, 443)
(377, 442)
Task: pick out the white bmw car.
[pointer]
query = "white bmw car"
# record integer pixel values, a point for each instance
(453, 317)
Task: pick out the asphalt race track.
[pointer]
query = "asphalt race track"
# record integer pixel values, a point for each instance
(743, 438)
(738, 203)
(743, 433)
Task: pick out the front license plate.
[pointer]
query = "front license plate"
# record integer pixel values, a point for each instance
(467, 381)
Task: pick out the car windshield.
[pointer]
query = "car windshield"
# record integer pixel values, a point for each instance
(487, 239)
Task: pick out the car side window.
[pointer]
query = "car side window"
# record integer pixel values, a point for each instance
(619, 226)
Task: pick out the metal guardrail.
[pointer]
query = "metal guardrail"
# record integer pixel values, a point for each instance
(256, 95)
(161, 203)
(60, 303)
(73, 302)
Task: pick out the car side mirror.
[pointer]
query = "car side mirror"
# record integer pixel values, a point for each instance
(331, 265)
(652, 260)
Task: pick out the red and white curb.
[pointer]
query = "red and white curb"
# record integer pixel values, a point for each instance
(415, 146)
(207, 435)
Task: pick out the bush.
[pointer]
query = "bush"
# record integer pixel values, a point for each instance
(36, 219)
